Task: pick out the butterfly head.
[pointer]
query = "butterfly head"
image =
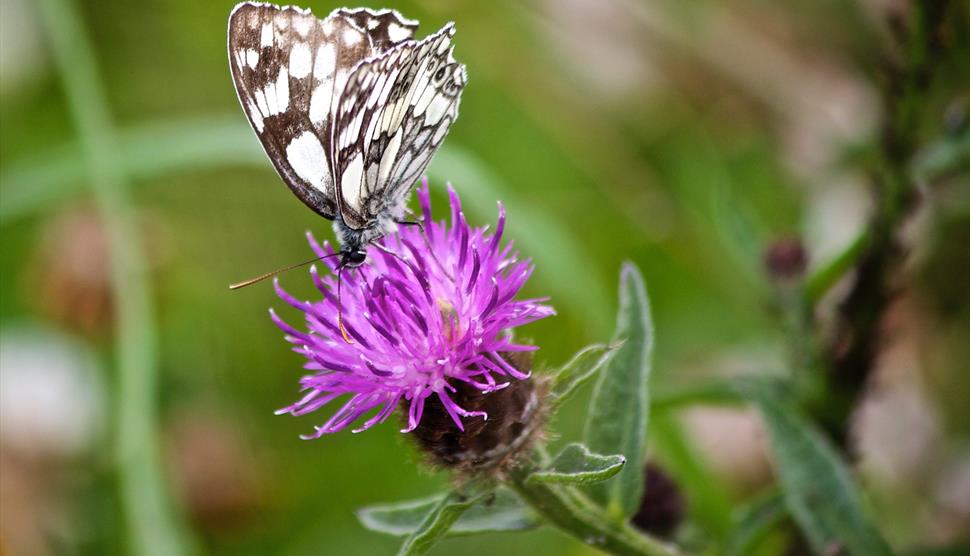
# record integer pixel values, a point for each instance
(353, 257)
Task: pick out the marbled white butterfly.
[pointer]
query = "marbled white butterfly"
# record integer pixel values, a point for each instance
(350, 109)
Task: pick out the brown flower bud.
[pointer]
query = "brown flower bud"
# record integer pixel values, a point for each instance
(785, 259)
(515, 418)
(662, 508)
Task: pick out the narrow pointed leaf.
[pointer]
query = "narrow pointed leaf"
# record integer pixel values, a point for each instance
(754, 523)
(617, 420)
(576, 465)
(817, 485)
(503, 512)
(437, 522)
(580, 369)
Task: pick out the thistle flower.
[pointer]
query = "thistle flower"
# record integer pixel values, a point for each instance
(430, 315)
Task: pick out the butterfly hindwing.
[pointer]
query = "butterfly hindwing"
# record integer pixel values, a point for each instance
(392, 117)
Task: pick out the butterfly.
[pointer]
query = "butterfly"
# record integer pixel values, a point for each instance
(350, 109)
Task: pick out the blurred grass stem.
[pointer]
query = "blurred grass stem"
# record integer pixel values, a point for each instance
(152, 527)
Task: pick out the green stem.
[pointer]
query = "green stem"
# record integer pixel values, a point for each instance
(572, 512)
(880, 253)
(153, 529)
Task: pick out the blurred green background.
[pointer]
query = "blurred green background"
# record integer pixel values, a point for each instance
(684, 136)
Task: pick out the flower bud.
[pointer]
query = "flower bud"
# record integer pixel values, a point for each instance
(662, 508)
(514, 417)
(786, 260)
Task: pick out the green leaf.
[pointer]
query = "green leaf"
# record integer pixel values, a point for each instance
(437, 522)
(502, 512)
(753, 524)
(817, 485)
(617, 420)
(576, 465)
(578, 371)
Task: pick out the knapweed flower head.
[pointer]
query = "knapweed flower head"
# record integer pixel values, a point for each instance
(432, 308)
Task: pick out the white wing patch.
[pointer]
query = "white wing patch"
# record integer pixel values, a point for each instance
(397, 33)
(252, 58)
(351, 37)
(301, 62)
(350, 181)
(305, 154)
(326, 61)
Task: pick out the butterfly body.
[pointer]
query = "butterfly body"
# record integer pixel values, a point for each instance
(350, 109)
(354, 242)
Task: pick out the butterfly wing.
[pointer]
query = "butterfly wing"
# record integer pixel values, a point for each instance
(385, 28)
(393, 114)
(288, 68)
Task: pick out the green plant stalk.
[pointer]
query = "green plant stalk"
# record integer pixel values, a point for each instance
(574, 513)
(152, 528)
(879, 252)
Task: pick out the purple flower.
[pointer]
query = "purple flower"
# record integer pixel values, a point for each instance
(431, 307)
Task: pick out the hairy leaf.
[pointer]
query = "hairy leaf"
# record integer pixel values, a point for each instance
(581, 368)
(437, 522)
(576, 465)
(502, 512)
(818, 487)
(617, 420)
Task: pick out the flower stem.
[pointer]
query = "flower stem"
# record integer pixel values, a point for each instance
(153, 528)
(572, 512)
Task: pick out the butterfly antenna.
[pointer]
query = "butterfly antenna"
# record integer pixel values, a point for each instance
(340, 320)
(262, 277)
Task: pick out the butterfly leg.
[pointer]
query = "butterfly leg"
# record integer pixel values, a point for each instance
(418, 223)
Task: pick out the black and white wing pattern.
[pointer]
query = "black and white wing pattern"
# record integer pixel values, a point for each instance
(289, 69)
(394, 113)
(385, 28)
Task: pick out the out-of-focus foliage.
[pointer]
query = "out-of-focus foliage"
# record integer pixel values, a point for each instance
(684, 136)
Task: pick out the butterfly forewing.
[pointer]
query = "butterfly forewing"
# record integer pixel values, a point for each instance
(392, 117)
(385, 28)
(350, 109)
(287, 66)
